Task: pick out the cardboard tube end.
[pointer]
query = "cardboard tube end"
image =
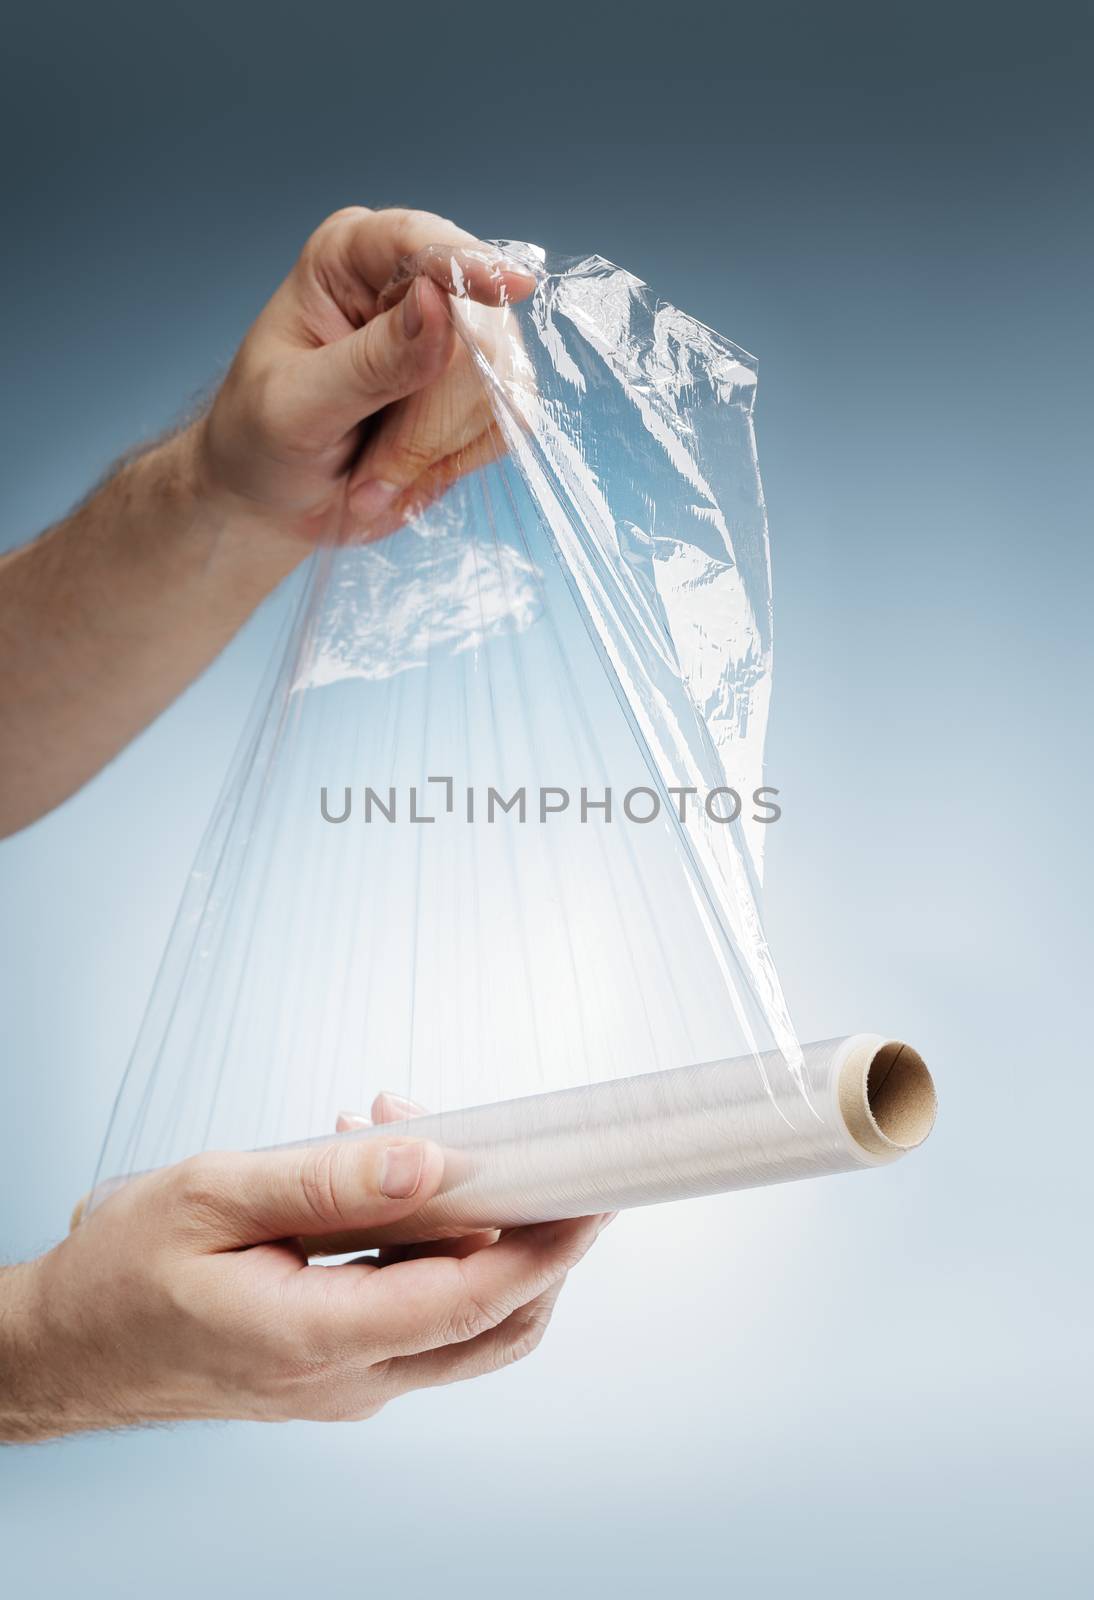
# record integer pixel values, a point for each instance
(888, 1098)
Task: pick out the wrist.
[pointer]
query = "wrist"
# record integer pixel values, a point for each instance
(201, 528)
(49, 1385)
(30, 1407)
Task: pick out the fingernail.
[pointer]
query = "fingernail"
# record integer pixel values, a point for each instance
(388, 1107)
(610, 1217)
(402, 1170)
(412, 310)
(373, 497)
(350, 1119)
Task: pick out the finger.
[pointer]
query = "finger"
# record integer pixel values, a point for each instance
(382, 250)
(387, 1107)
(465, 1245)
(417, 464)
(513, 1339)
(338, 1186)
(442, 431)
(391, 1107)
(395, 354)
(478, 272)
(350, 1122)
(419, 1305)
(359, 262)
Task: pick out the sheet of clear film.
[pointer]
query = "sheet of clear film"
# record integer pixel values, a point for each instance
(474, 848)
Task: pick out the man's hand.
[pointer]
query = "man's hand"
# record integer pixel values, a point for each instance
(189, 1294)
(323, 423)
(344, 409)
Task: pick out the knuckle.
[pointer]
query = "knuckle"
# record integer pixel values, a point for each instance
(284, 1364)
(201, 1186)
(410, 230)
(569, 1257)
(416, 454)
(319, 239)
(309, 1375)
(371, 361)
(322, 1184)
(288, 1363)
(343, 215)
(298, 1347)
(566, 1249)
(405, 222)
(271, 404)
(470, 1318)
(526, 1338)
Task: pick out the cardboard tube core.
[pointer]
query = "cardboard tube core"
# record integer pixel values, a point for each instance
(900, 1095)
(887, 1097)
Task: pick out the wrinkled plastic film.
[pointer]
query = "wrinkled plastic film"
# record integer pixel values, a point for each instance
(572, 600)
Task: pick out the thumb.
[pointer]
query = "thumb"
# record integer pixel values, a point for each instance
(395, 354)
(340, 1185)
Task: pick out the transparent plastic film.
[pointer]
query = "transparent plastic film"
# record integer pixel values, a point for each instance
(495, 837)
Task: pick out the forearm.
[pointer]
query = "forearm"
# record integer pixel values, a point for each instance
(109, 615)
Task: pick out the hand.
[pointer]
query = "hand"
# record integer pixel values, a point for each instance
(345, 403)
(188, 1293)
(345, 410)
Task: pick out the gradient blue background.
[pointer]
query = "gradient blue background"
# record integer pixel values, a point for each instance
(873, 1384)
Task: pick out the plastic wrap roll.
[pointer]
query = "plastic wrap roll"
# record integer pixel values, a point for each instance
(500, 825)
(663, 1136)
(669, 1136)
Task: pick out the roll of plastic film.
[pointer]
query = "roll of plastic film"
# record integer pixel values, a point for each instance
(669, 1136)
(664, 1136)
